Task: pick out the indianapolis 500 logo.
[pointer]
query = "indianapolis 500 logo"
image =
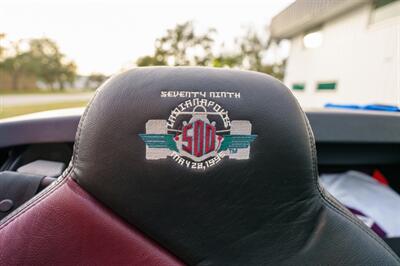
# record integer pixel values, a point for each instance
(198, 134)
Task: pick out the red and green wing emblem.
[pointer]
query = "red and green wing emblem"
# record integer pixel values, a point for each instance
(159, 141)
(236, 142)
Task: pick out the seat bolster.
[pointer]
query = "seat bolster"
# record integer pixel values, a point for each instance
(65, 225)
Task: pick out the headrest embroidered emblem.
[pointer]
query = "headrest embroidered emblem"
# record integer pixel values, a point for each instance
(198, 134)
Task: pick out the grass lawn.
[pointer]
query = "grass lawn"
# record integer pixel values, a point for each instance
(26, 109)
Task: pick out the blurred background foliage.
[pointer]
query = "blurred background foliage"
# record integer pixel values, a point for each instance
(183, 46)
(35, 60)
(30, 64)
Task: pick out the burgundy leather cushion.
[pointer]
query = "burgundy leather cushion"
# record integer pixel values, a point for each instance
(70, 227)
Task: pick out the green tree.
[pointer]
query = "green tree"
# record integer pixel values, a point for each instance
(50, 65)
(2, 49)
(227, 60)
(66, 75)
(94, 80)
(151, 60)
(181, 46)
(40, 58)
(253, 49)
(276, 70)
(18, 65)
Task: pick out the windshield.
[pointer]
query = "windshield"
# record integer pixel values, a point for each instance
(330, 54)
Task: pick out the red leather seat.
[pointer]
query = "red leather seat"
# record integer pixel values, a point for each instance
(66, 226)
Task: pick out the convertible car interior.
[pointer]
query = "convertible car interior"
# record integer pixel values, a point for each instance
(191, 166)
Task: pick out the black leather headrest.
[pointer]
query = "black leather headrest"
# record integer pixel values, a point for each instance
(216, 165)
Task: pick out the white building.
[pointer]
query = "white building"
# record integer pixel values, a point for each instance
(342, 51)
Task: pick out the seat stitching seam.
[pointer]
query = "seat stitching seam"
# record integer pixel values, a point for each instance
(41, 196)
(80, 128)
(31, 203)
(327, 202)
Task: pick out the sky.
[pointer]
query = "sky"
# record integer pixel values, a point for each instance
(106, 36)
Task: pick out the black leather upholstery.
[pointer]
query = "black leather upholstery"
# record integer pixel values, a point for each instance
(265, 210)
(16, 189)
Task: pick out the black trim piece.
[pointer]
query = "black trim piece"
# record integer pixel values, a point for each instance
(329, 126)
